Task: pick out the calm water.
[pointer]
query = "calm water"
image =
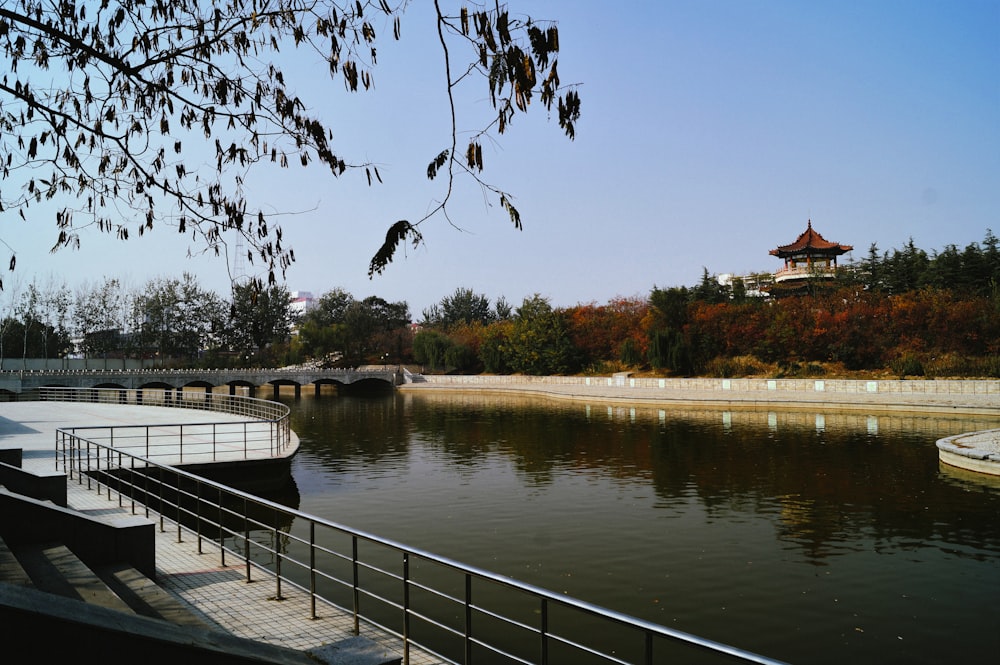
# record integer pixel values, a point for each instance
(811, 538)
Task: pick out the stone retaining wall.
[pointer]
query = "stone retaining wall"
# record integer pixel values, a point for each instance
(916, 387)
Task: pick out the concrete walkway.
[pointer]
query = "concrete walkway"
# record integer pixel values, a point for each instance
(218, 593)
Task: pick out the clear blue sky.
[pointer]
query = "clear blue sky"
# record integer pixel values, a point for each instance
(712, 130)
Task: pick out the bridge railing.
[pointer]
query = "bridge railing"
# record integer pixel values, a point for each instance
(458, 613)
(262, 431)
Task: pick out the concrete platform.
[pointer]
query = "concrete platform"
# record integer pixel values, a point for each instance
(972, 451)
(32, 427)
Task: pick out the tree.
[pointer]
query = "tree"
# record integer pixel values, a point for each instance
(495, 347)
(8, 320)
(709, 289)
(108, 106)
(258, 317)
(873, 269)
(463, 306)
(372, 328)
(27, 311)
(538, 342)
(608, 332)
(330, 308)
(101, 316)
(179, 318)
(322, 331)
(430, 347)
(54, 302)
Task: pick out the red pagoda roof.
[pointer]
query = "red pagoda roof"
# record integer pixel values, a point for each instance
(810, 242)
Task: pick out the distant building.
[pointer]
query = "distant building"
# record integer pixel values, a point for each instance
(302, 302)
(809, 258)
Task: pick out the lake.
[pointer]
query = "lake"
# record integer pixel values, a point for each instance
(806, 537)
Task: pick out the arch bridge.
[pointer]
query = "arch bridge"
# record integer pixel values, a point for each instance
(365, 378)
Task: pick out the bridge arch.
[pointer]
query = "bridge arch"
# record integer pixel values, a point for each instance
(276, 384)
(242, 383)
(368, 385)
(108, 384)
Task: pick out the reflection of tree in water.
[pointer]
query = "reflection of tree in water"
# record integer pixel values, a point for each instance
(830, 483)
(343, 430)
(831, 490)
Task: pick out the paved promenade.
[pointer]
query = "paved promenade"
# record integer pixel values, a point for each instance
(219, 594)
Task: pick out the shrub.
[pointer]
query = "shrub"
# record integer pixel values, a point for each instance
(738, 366)
(907, 365)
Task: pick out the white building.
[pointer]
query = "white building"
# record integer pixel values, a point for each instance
(302, 302)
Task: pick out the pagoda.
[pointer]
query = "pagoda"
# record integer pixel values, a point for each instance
(811, 256)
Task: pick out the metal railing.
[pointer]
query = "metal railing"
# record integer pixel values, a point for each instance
(262, 431)
(458, 613)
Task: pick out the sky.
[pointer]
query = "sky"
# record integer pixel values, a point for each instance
(711, 132)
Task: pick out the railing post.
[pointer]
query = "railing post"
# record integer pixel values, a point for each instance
(277, 559)
(107, 468)
(163, 516)
(468, 619)
(180, 538)
(312, 569)
(222, 531)
(88, 467)
(406, 608)
(357, 593)
(118, 466)
(246, 538)
(197, 516)
(545, 632)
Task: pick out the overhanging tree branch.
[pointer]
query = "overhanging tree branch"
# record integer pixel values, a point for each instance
(138, 76)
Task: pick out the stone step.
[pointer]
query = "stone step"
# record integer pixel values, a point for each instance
(147, 598)
(11, 570)
(357, 650)
(55, 569)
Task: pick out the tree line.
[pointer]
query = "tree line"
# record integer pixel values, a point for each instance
(906, 311)
(173, 321)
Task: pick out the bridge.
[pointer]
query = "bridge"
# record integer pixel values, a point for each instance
(374, 377)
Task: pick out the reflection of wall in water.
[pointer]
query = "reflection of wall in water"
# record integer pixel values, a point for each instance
(875, 423)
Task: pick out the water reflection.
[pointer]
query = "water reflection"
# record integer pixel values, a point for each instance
(696, 519)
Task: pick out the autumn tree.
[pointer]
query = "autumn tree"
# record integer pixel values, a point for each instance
(612, 331)
(106, 109)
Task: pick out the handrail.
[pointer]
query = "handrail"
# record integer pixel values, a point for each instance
(375, 579)
(265, 429)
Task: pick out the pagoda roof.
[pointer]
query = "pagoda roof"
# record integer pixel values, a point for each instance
(810, 242)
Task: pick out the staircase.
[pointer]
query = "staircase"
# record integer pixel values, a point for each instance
(68, 593)
(54, 569)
